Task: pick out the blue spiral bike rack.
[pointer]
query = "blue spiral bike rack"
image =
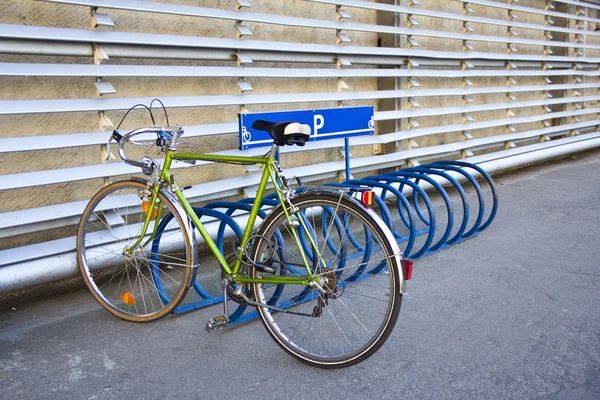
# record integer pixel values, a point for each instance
(421, 221)
(419, 226)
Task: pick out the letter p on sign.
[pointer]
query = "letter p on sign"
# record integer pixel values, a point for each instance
(319, 122)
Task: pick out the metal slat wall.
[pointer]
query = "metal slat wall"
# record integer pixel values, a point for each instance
(475, 79)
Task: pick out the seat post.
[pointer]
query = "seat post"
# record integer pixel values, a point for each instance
(275, 152)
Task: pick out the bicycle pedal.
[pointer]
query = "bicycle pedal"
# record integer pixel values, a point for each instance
(220, 321)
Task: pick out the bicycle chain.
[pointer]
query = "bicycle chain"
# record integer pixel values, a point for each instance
(257, 304)
(299, 313)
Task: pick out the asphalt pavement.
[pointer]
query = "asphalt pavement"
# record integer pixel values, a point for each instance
(513, 313)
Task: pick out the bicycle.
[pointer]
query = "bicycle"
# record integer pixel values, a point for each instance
(323, 270)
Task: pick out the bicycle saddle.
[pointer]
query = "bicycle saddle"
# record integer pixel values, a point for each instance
(283, 133)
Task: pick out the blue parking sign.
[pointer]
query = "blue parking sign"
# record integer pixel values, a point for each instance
(329, 123)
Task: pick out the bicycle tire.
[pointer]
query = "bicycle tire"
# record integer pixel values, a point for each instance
(150, 283)
(362, 300)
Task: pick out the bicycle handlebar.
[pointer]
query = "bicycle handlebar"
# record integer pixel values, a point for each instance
(165, 137)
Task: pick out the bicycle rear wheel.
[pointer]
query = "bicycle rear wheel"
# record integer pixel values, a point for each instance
(354, 314)
(152, 280)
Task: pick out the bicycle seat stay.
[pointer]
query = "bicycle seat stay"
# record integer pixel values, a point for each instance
(283, 133)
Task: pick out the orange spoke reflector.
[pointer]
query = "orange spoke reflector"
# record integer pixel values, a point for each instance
(128, 298)
(368, 198)
(146, 207)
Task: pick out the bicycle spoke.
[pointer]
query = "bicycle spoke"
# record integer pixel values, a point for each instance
(333, 215)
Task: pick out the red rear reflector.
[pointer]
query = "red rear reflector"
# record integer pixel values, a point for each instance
(408, 264)
(368, 198)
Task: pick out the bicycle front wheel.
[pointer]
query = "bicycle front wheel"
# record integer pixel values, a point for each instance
(353, 313)
(140, 282)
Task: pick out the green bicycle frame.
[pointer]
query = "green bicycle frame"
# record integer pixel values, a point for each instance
(270, 172)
